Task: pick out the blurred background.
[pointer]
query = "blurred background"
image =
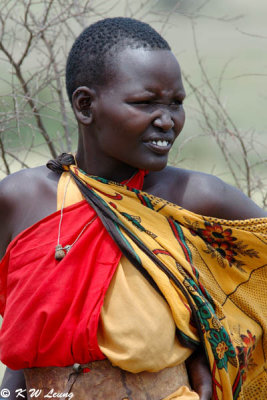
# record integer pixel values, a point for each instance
(221, 47)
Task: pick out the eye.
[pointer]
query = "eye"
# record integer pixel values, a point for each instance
(141, 102)
(177, 103)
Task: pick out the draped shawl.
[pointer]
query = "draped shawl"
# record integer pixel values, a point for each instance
(211, 272)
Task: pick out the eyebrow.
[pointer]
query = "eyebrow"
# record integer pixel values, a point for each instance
(147, 92)
(152, 93)
(143, 94)
(179, 94)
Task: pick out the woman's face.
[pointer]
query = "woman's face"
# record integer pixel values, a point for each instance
(139, 113)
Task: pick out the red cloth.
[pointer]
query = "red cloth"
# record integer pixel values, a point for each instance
(51, 308)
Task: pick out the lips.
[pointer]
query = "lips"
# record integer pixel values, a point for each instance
(158, 148)
(159, 145)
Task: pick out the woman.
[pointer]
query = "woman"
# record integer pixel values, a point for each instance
(126, 91)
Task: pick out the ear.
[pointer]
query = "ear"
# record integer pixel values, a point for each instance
(82, 100)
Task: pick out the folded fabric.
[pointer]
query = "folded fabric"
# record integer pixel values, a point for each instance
(183, 393)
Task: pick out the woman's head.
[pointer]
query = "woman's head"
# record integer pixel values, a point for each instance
(129, 109)
(90, 61)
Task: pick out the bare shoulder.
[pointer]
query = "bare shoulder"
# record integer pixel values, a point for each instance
(204, 194)
(216, 198)
(23, 180)
(25, 197)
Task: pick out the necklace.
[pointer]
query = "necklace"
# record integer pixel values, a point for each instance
(60, 251)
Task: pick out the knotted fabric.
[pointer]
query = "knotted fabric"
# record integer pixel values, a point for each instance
(211, 272)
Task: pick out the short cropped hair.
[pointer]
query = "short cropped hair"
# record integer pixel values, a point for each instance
(90, 59)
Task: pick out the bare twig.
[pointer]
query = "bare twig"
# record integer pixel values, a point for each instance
(3, 155)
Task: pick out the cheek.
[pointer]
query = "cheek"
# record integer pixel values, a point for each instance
(179, 121)
(130, 123)
(131, 116)
(119, 124)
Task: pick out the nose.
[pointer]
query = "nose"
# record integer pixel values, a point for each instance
(164, 120)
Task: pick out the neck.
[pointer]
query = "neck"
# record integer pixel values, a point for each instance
(92, 160)
(112, 170)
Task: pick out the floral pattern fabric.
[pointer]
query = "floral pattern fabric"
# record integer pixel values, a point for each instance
(211, 272)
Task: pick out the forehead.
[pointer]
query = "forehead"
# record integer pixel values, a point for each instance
(146, 69)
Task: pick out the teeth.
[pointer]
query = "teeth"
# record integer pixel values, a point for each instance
(161, 143)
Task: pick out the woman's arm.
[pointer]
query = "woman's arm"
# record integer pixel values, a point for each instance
(12, 381)
(199, 374)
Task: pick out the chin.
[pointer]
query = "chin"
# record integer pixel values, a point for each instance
(155, 165)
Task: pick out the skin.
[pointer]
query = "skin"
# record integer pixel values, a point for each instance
(117, 123)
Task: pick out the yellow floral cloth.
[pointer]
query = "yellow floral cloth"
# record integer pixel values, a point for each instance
(211, 272)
